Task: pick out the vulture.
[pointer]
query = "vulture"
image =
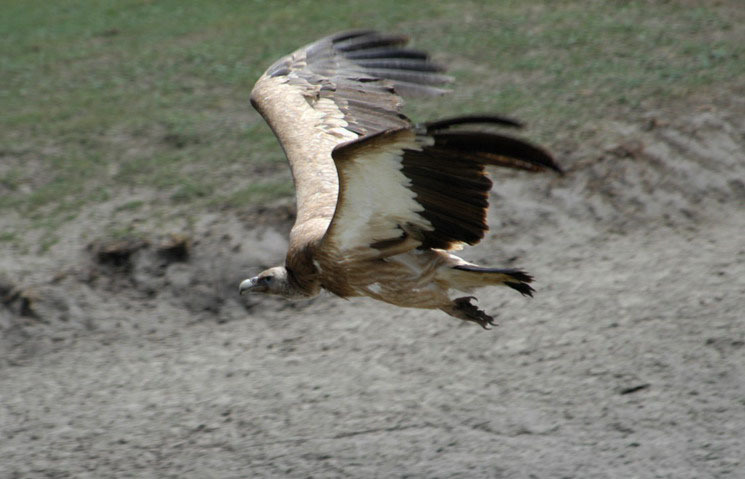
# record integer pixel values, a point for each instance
(382, 202)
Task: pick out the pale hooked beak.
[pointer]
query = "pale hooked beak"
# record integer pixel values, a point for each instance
(248, 285)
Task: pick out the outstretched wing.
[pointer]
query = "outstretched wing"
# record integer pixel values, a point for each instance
(420, 187)
(335, 90)
(362, 73)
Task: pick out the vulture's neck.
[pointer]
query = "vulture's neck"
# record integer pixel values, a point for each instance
(301, 288)
(302, 275)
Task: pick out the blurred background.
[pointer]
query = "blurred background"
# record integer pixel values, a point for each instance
(138, 186)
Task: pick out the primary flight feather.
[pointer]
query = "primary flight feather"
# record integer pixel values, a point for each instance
(381, 201)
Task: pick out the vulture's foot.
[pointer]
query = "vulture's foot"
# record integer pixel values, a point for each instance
(462, 308)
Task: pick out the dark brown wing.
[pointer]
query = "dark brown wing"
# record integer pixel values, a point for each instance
(404, 189)
(449, 176)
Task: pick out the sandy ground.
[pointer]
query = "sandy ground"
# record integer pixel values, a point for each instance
(134, 360)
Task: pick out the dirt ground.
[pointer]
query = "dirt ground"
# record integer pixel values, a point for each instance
(137, 358)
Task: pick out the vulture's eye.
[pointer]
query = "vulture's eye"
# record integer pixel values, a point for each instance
(266, 279)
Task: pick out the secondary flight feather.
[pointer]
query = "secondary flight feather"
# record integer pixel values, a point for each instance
(381, 201)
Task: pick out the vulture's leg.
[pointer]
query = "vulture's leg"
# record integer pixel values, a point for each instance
(462, 308)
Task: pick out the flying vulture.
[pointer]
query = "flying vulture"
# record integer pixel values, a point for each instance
(381, 201)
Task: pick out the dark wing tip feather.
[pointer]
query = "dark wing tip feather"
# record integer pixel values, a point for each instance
(474, 119)
(384, 56)
(498, 150)
(364, 40)
(399, 63)
(365, 73)
(347, 34)
(391, 53)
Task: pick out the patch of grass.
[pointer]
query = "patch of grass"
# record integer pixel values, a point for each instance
(130, 206)
(254, 193)
(122, 231)
(11, 179)
(553, 62)
(190, 190)
(112, 94)
(8, 236)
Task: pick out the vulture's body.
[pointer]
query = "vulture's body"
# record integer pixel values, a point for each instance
(381, 201)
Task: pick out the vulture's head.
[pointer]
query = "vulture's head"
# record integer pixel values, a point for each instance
(272, 281)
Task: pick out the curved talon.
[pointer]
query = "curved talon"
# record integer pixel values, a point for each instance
(462, 308)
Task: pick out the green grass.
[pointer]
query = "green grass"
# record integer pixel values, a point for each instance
(101, 96)
(7, 236)
(255, 192)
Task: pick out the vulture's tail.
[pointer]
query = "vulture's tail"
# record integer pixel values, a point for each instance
(469, 277)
